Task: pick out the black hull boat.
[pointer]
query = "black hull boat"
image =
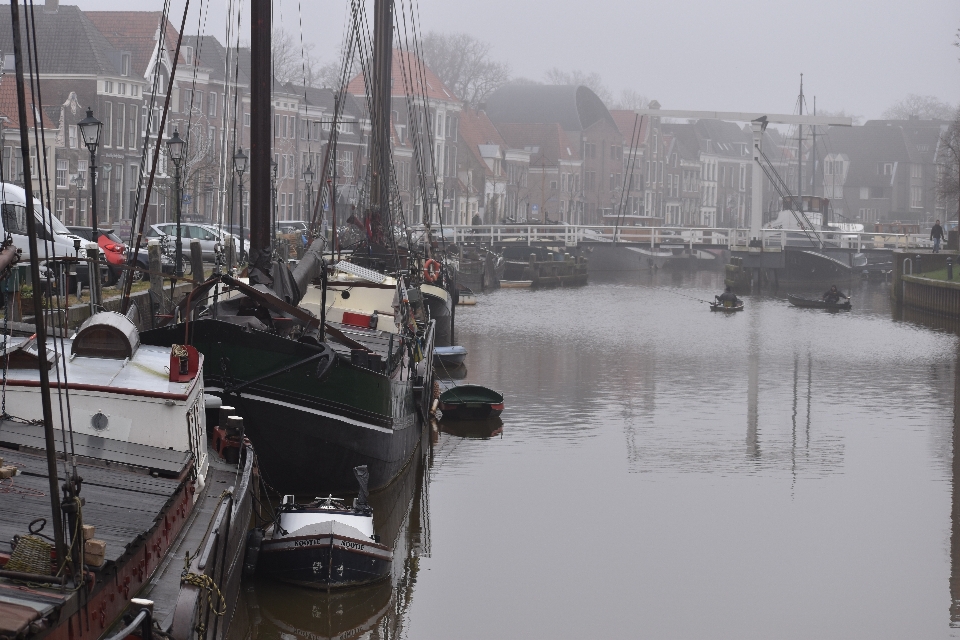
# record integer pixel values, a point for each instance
(471, 402)
(324, 544)
(331, 557)
(716, 306)
(808, 303)
(314, 426)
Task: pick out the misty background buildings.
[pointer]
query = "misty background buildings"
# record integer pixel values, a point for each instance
(562, 149)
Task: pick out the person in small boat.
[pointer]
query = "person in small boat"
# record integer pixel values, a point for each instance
(833, 295)
(728, 298)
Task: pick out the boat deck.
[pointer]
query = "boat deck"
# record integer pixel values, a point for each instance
(122, 498)
(127, 488)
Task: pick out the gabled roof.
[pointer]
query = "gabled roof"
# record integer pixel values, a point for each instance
(212, 55)
(409, 76)
(548, 143)
(626, 122)
(70, 43)
(573, 107)
(684, 136)
(136, 32)
(722, 138)
(868, 147)
(8, 107)
(480, 136)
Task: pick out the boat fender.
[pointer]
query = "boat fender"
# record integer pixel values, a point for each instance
(254, 540)
(431, 270)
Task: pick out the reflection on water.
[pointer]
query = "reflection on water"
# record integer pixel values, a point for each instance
(662, 471)
(401, 515)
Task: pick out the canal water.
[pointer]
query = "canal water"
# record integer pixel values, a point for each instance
(662, 471)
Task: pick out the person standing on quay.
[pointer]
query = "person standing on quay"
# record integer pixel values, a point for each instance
(936, 234)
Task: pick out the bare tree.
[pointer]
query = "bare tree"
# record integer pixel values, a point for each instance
(840, 113)
(463, 64)
(592, 81)
(630, 100)
(948, 181)
(923, 107)
(293, 62)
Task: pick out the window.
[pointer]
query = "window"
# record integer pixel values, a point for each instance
(121, 120)
(187, 102)
(107, 124)
(72, 136)
(61, 206)
(212, 105)
(125, 64)
(83, 211)
(246, 119)
(132, 128)
(72, 210)
(63, 166)
(107, 86)
(15, 219)
(743, 178)
(864, 193)
(916, 197)
(134, 90)
(915, 171)
(122, 88)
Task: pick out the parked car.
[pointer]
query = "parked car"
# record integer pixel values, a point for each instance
(109, 242)
(13, 220)
(207, 235)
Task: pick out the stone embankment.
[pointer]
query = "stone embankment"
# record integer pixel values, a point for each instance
(922, 280)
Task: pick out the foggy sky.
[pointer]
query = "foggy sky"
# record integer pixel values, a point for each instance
(744, 55)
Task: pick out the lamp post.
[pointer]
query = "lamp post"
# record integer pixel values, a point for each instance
(240, 166)
(90, 129)
(273, 199)
(308, 180)
(175, 146)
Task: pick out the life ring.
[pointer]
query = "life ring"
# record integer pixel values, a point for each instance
(431, 270)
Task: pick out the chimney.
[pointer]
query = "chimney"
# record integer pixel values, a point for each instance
(51, 6)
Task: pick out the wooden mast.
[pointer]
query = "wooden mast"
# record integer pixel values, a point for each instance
(261, 138)
(380, 88)
(38, 314)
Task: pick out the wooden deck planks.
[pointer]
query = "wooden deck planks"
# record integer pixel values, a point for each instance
(120, 502)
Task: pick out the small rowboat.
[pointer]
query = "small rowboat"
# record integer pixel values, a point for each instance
(717, 306)
(470, 402)
(449, 356)
(809, 303)
(466, 298)
(516, 284)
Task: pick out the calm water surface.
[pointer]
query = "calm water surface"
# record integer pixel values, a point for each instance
(667, 472)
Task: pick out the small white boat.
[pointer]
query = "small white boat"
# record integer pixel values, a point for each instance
(325, 544)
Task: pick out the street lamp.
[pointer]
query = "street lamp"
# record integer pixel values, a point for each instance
(240, 166)
(175, 147)
(90, 129)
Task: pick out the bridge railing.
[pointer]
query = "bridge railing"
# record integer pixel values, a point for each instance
(572, 235)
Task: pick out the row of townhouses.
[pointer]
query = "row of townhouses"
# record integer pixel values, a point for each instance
(530, 153)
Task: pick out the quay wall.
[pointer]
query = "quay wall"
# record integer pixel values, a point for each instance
(935, 296)
(78, 313)
(929, 261)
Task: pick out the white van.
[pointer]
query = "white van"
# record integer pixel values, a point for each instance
(13, 220)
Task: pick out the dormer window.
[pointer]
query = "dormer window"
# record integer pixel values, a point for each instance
(125, 64)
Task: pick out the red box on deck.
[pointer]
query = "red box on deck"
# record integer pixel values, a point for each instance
(356, 319)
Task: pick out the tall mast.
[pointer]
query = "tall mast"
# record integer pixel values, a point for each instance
(800, 150)
(813, 175)
(261, 84)
(39, 317)
(380, 88)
